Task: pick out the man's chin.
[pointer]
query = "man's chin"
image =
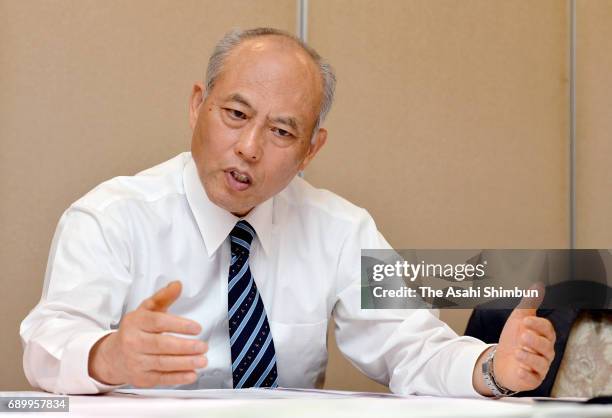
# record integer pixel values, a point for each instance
(225, 201)
(238, 210)
(241, 214)
(231, 206)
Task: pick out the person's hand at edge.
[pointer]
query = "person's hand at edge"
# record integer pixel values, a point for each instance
(525, 350)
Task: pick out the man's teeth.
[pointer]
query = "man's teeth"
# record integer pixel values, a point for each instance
(240, 177)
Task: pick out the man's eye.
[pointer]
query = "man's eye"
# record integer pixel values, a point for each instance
(236, 114)
(282, 133)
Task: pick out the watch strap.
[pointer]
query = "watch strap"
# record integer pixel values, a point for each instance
(488, 376)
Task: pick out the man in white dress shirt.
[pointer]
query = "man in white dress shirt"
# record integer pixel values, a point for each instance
(136, 288)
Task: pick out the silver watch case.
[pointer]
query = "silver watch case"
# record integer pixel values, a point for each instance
(489, 377)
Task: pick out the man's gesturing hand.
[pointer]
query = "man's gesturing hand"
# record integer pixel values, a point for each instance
(524, 352)
(141, 354)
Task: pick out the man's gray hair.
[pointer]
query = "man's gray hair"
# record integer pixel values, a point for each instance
(236, 36)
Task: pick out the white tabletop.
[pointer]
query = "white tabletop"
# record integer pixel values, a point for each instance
(302, 405)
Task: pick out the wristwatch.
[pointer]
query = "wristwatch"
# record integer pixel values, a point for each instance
(489, 377)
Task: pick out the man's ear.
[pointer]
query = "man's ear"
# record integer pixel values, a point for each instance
(320, 140)
(195, 102)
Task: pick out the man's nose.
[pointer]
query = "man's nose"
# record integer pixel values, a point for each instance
(249, 145)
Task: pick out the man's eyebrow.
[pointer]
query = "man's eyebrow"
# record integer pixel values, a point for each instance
(287, 120)
(236, 97)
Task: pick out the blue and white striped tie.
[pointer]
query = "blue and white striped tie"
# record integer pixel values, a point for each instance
(253, 355)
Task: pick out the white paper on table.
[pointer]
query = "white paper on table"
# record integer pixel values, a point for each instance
(252, 393)
(306, 403)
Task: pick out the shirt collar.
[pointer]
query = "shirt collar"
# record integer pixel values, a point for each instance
(216, 223)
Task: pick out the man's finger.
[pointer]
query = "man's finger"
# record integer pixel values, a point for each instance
(158, 322)
(177, 378)
(540, 326)
(538, 344)
(532, 361)
(169, 344)
(530, 379)
(166, 363)
(163, 298)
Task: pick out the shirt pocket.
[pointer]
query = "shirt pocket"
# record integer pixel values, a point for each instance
(301, 353)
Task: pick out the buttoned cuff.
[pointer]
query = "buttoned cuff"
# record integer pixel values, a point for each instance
(74, 371)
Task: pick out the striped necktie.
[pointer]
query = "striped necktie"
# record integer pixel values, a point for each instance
(253, 355)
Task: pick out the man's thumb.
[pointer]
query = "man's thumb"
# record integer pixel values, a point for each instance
(529, 304)
(164, 297)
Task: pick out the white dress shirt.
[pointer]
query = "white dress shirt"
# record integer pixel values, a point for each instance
(130, 236)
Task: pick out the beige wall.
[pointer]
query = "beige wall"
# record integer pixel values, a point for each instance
(90, 90)
(450, 125)
(594, 124)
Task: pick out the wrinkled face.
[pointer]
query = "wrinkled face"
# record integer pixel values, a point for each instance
(252, 133)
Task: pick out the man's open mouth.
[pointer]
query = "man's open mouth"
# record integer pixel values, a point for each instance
(241, 177)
